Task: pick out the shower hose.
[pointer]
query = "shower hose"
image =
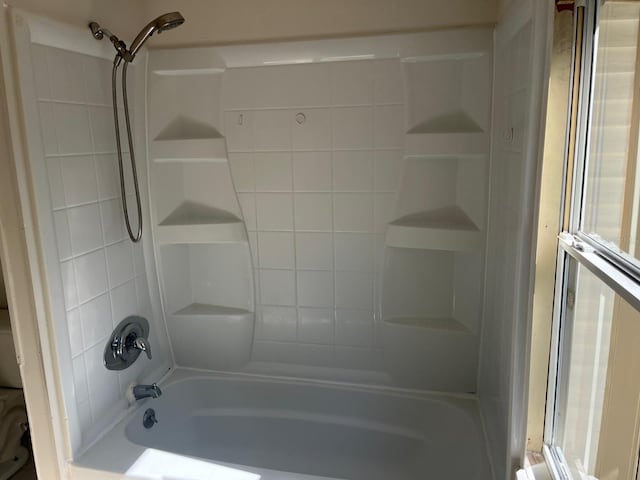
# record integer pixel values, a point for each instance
(114, 77)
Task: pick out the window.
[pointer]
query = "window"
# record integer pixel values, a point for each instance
(592, 427)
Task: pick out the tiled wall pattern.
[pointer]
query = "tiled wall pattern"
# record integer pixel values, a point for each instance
(316, 152)
(103, 272)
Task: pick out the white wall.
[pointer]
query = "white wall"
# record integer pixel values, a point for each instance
(228, 21)
(316, 198)
(96, 276)
(519, 84)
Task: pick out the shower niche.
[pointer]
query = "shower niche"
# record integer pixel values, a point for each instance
(200, 236)
(434, 246)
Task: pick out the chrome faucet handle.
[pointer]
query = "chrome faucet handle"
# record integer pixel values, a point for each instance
(128, 340)
(142, 344)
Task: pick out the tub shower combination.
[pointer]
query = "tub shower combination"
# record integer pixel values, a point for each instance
(305, 299)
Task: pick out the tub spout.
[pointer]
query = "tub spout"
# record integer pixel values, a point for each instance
(146, 391)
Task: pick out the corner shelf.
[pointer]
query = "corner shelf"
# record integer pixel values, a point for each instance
(168, 72)
(446, 228)
(195, 223)
(185, 150)
(204, 309)
(447, 324)
(443, 144)
(186, 62)
(192, 213)
(455, 121)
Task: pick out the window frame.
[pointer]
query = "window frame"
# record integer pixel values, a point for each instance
(615, 269)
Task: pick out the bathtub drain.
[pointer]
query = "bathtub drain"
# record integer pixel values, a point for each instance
(149, 418)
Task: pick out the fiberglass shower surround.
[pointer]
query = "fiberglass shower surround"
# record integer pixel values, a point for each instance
(324, 221)
(160, 24)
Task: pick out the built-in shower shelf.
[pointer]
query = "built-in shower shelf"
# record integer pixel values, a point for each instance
(196, 223)
(447, 228)
(186, 62)
(189, 150)
(427, 323)
(205, 309)
(429, 144)
(202, 233)
(169, 72)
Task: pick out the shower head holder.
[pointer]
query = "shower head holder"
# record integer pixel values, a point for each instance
(164, 22)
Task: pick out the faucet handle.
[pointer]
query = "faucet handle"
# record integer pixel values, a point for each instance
(142, 344)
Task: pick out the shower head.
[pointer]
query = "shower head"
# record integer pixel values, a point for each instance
(169, 21)
(160, 24)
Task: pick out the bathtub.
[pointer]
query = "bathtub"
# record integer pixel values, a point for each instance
(228, 427)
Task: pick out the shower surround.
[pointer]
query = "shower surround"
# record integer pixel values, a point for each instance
(335, 197)
(96, 276)
(317, 220)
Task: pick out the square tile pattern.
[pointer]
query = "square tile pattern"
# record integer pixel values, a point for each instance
(103, 273)
(316, 155)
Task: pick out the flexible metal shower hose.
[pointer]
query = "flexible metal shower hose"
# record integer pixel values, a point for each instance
(114, 77)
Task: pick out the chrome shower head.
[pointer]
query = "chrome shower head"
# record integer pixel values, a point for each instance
(169, 21)
(160, 24)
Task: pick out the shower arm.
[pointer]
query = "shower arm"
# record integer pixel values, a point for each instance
(99, 33)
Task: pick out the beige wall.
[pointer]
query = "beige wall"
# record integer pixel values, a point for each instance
(548, 224)
(231, 21)
(123, 17)
(241, 21)
(3, 292)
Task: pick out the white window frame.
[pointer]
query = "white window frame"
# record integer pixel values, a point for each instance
(613, 269)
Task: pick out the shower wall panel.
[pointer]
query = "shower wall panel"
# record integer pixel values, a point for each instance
(316, 152)
(521, 42)
(96, 275)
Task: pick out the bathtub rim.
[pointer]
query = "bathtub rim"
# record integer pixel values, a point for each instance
(109, 455)
(180, 374)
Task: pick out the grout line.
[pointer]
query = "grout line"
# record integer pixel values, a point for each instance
(373, 238)
(76, 205)
(257, 271)
(107, 291)
(93, 250)
(312, 107)
(295, 252)
(320, 150)
(303, 192)
(89, 300)
(334, 317)
(73, 102)
(80, 154)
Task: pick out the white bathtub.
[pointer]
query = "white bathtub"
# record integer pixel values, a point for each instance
(248, 428)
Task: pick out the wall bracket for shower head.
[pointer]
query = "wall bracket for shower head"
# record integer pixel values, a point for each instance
(98, 33)
(163, 22)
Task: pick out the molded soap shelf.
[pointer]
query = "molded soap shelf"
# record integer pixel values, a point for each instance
(211, 310)
(434, 323)
(420, 144)
(196, 223)
(189, 150)
(447, 228)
